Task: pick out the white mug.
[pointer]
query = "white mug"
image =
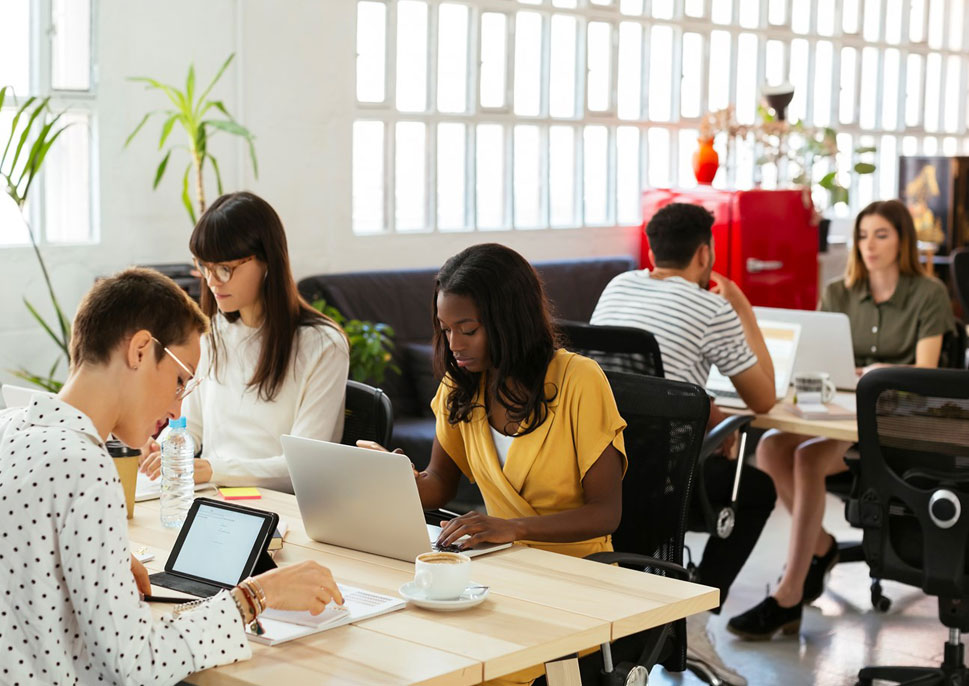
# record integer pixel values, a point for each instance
(813, 387)
(441, 575)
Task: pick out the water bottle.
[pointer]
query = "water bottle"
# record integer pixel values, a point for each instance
(177, 474)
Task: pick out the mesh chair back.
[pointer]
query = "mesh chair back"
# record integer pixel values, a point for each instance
(960, 278)
(913, 427)
(666, 421)
(369, 415)
(615, 348)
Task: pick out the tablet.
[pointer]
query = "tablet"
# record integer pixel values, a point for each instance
(219, 545)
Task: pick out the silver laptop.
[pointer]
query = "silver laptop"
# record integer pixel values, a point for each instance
(361, 499)
(782, 339)
(825, 343)
(18, 396)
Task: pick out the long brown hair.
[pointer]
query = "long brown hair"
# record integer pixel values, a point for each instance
(895, 213)
(238, 225)
(521, 337)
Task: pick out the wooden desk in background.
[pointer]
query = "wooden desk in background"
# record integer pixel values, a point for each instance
(541, 606)
(783, 419)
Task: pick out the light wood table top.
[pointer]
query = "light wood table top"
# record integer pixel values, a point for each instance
(541, 606)
(781, 417)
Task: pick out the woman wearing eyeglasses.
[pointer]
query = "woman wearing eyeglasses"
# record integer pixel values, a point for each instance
(271, 365)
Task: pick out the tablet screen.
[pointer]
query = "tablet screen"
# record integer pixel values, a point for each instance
(218, 544)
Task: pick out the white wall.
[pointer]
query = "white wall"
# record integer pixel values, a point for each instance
(292, 84)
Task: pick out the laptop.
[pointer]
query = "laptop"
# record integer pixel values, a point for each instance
(825, 343)
(782, 339)
(18, 396)
(362, 499)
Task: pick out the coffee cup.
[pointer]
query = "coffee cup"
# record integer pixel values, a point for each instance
(126, 461)
(813, 387)
(441, 575)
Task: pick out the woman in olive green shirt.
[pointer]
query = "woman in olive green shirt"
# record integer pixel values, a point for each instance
(898, 317)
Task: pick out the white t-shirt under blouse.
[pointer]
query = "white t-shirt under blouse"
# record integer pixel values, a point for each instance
(69, 608)
(238, 431)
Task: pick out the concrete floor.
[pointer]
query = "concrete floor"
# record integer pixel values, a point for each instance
(840, 632)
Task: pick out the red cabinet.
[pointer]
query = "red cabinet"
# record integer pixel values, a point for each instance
(765, 241)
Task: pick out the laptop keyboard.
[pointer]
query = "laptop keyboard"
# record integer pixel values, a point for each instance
(726, 394)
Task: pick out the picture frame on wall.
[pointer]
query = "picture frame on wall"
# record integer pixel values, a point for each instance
(936, 191)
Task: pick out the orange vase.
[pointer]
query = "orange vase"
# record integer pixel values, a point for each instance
(705, 162)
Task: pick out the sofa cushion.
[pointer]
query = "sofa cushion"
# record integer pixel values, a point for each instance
(419, 360)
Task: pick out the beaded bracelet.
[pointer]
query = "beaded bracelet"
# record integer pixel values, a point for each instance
(262, 594)
(254, 626)
(258, 596)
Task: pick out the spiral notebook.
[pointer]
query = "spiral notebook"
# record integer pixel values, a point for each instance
(281, 625)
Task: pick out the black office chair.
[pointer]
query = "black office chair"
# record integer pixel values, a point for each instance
(369, 415)
(634, 350)
(666, 421)
(913, 500)
(954, 342)
(960, 277)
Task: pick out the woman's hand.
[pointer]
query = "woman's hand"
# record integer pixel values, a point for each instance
(151, 465)
(373, 445)
(878, 365)
(303, 586)
(149, 462)
(140, 574)
(480, 529)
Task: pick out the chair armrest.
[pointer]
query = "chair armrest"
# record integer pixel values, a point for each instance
(675, 570)
(719, 433)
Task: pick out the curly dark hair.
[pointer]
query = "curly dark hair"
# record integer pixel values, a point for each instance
(517, 319)
(675, 233)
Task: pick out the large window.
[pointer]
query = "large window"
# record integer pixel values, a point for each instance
(505, 114)
(46, 50)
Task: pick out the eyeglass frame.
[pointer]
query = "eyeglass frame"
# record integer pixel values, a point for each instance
(193, 381)
(205, 270)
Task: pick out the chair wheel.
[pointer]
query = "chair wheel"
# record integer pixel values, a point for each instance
(881, 603)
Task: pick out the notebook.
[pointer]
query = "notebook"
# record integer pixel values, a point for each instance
(146, 489)
(282, 625)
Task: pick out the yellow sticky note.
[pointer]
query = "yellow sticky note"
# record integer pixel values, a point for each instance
(240, 493)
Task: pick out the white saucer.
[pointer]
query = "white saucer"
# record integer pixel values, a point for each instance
(473, 595)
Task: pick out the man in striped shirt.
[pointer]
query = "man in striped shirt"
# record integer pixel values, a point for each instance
(697, 325)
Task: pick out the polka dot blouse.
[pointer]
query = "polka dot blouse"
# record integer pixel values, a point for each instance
(69, 607)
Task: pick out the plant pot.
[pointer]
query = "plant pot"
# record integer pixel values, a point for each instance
(705, 162)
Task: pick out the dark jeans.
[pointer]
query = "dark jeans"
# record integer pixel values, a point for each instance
(723, 558)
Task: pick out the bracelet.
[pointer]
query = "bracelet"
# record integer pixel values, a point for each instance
(247, 594)
(262, 594)
(254, 626)
(257, 601)
(242, 610)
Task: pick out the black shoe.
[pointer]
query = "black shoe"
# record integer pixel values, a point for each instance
(762, 621)
(820, 566)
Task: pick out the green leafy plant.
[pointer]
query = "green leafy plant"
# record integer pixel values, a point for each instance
(29, 144)
(370, 345)
(197, 117)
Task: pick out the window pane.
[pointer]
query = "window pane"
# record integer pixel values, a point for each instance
(663, 9)
(849, 16)
(888, 167)
(846, 106)
(490, 168)
(15, 46)
(936, 25)
(913, 85)
(411, 56)
(953, 75)
(561, 172)
(368, 176)
(633, 7)
(630, 70)
(930, 146)
(596, 162)
(916, 22)
(949, 145)
(750, 13)
(528, 63)
(528, 179)
(658, 156)
(824, 53)
(493, 53)
(747, 79)
(890, 65)
(599, 56)
(693, 8)
(71, 44)
(871, 16)
(691, 57)
(718, 96)
(910, 145)
(627, 175)
(67, 177)
(893, 21)
(777, 12)
(869, 87)
(774, 63)
(799, 66)
(564, 3)
(800, 17)
(409, 175)
(452, 58)
(933, 84)
(722, 11)
(562, 70)
(451, 183)
(957, 11)
(826, 17)
(661, 73)
(371, 42)
(687, 146)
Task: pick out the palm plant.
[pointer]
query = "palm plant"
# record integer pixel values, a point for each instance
(195, 116)
(35, 139)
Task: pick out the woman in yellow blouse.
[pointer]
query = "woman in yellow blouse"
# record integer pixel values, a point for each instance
(534, 426)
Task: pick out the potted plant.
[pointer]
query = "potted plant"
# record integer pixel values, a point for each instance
(371, 345)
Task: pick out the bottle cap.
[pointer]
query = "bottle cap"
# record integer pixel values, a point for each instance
(177, 423)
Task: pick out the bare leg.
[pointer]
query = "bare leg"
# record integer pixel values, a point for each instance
(814, 459)
(775, 455)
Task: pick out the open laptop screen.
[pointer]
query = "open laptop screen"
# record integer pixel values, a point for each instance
(782, 339)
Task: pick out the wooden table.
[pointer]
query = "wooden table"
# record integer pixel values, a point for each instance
(783, 418)
(541, 606)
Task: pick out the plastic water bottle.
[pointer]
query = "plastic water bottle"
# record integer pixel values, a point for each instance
(177, 474)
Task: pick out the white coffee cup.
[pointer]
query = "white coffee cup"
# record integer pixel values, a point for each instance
(813, 387)
(441, 575)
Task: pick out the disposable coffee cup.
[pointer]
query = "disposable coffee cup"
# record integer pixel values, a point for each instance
(442, 576)
(813, 388)
(126, 462)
